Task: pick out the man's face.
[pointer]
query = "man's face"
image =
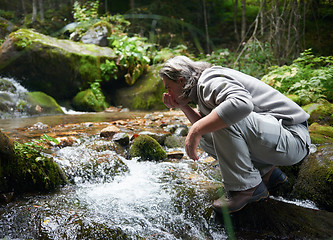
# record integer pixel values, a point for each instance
(175, 88)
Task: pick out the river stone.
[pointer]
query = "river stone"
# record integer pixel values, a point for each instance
(57, 67)
(147, 148)
(109, 131)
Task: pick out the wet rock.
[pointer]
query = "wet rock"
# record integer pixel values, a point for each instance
(7, 86)
(39, 102)
(109, 131)
(23, 168)
(121, 138)
(315, 178)
(181, 131)
(159, 137)
(175, 155)
(279, 220)
(65, 141)
(147, 148)
(174, 141)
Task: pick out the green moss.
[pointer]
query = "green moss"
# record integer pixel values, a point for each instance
(322, 114)
(145, 94)
(46, 102)
(321, 134)
(147, 148)
(87, 101)
(316, 178)
(35, 172)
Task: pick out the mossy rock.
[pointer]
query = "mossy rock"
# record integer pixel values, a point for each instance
(147, 148)
(321, 134)
(7, 86)
(24, 169)
(87, 101)
(47, 104)
(315, 181)
(54, 66)
(145, 94)
(320, 113)
(295, 98)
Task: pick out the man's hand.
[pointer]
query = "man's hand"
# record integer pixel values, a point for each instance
(192, 142)
(169, 101)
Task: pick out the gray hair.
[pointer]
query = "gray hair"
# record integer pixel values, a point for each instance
(182, 66)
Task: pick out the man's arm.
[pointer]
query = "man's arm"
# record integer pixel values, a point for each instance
(209, 123)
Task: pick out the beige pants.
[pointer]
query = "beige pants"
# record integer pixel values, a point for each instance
(250, 148)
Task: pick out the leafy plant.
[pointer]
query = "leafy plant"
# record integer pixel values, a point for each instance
(109, 70)
(133, 57)
(309, 77)
(86, 12)
(97, 91)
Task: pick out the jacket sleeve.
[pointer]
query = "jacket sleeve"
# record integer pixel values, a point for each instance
(227, 96)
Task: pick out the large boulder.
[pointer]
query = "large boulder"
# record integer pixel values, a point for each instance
(145, 94)
(57, 67)
(315, 178)
(24, 169)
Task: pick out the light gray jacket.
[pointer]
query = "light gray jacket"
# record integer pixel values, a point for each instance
(235, 95)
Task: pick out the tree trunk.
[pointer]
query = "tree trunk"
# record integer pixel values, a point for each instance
(243, 31)
(206, 26)
(235, 20)
(24, 9)
(262, 16)
(34, 11)
(41, 10)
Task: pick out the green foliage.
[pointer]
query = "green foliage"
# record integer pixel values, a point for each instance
(308, 76)
(133, 57)
(86, 12)
(109, 70)
(255, 58)
(97, 91)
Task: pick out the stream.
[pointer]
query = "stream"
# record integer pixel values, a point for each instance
(119, 198)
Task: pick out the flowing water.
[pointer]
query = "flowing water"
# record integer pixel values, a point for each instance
(110, 196)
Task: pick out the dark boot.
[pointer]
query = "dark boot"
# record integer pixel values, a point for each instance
(274, 179)
(239, 199)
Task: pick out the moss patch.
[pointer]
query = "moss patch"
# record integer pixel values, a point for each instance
(147, 148)
(47, 103)
(87, 101)
(25, 169)
(145, 94)
(315, 181)
(321, 134)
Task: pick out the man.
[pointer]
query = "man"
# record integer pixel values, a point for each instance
(241, 121)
